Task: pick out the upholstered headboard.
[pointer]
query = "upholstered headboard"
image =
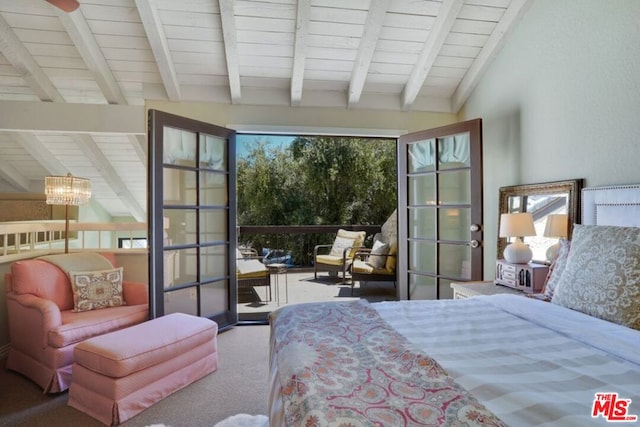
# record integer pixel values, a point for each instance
(612, 205)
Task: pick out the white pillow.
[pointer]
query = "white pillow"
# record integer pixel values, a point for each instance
(378, 256)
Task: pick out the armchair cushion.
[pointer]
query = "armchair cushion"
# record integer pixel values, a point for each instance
(93, 290)
(77, 327)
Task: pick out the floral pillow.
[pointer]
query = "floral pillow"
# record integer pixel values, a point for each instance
(556, 268)
(93, 290)
(602, 274)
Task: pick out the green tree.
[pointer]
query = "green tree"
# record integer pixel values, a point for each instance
(317, 180)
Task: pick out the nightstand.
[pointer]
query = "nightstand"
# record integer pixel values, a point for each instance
(472, 289)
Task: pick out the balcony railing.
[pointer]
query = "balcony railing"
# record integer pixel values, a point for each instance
(18, 239)
(22, 239)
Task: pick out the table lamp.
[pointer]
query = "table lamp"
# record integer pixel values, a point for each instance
(67, 190)
(557, 227)
(517, 225)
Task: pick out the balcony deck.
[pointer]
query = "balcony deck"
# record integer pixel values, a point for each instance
(299, 286)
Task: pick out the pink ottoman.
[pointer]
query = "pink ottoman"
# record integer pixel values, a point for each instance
(118, 375)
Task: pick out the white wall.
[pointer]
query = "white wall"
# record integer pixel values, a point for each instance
(561, 101)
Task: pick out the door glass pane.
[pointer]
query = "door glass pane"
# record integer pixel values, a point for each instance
(454, 151)
(186, 266)
(214, 297)
(178, 186)
(213, 262)
(213, 189)
(454, 223)
(453, 187)
(213, 152)
(213, 225)
(171, 268)
(422, 190)
(180, 226)
(444, 289)
(179, 147)
(422, 223)
(422, 156)
(455, 261)
(422, 256)
(181, 301)
(422, 287)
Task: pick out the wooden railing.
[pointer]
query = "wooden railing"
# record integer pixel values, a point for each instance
(22, 238)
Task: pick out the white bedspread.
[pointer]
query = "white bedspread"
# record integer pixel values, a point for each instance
(531, 363)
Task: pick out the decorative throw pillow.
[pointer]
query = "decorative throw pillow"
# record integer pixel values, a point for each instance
(556, 268)
(378, 255)
(93, 290)
(602, 275)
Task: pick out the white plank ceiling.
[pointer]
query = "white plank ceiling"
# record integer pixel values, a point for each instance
(397, 55)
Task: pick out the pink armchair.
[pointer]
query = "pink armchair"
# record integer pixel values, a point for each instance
(44, 329)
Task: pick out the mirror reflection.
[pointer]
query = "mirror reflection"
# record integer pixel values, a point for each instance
(554, 207)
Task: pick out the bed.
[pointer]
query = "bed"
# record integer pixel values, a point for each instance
(487, 361)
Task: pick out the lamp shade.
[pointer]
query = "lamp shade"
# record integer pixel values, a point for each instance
(557, 225)
(516, 225)
(67, 190)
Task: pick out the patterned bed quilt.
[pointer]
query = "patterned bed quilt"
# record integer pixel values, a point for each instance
(341, 364)
(494, 360)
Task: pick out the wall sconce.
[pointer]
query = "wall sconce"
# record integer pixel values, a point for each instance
(517, 225)
(557, 227)
(67, 190)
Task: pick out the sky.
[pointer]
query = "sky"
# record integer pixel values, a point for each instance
(245, 141)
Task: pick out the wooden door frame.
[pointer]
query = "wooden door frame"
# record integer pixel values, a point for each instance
(474, 128)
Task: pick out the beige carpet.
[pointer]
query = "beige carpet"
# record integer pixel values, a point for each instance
(239, 386)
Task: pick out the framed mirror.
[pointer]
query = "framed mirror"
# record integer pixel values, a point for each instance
(541, 200)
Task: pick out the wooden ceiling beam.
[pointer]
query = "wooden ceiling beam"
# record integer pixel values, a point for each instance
(150, 18)
(368, 42)
(102, 165)
(72, 118)
(497, 39)
(447, 15)
(18, 55)
(230, 36)
(299, 51)
(84, 40)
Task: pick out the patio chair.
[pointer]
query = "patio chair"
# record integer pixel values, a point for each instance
(377, 264)
(251, 272)
(340, 255)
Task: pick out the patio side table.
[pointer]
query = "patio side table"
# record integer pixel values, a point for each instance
(278, 270)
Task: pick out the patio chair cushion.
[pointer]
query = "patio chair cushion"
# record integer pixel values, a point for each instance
(366, 268)
(347, 239)
(390, 265)
(330, 259)
(251, 266)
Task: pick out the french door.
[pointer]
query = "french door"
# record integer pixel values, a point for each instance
(439, 209)
(191, 218)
